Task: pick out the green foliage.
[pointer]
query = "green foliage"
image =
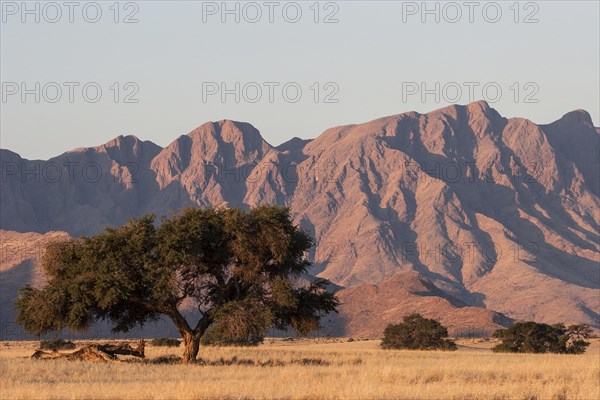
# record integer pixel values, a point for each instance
(303, 318)
(112, 275)
(240, 267)
(166, 342)
(57, 344)
(239, 323)
(533, 337)
(417, 333)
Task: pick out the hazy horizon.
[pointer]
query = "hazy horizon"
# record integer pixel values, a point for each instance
(283, 140)
(366, 65)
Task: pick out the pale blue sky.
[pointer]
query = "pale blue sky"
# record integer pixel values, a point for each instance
(370, 54)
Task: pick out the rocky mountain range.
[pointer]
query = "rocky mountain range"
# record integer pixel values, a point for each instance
(460, 213)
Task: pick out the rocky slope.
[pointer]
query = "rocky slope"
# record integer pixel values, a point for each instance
(406, 293)
(495, 213)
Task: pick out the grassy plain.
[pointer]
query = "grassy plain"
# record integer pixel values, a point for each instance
(306, 369)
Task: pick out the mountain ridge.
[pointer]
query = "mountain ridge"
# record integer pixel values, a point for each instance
(498, 213)
(482, 104)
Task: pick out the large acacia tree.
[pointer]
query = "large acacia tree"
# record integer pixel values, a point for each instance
(239, 268)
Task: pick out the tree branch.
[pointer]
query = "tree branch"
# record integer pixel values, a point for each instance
(202, 325)
(179, 320)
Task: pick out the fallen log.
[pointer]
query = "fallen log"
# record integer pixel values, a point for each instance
(94, 352)
(125, 349)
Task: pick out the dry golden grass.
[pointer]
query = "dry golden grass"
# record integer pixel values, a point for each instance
(307, 370)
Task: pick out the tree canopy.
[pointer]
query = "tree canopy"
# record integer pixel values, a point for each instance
(239, 268)
(417, 333)
(533, 337)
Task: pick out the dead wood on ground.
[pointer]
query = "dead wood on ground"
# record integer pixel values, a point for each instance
(94, 352)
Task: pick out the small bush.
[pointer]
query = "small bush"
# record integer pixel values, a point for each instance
(56, 344)
(170, 359)
(219, 337)
(417, 333)
(533, 337)
(168, 342)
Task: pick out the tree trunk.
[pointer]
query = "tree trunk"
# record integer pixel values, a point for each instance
(192, 346)
(191, 337)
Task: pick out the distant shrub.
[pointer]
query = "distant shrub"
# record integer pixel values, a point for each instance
(56, 344)
(417, 333)
(533, 337)
(351, 339)
(170, 359)
(167, 342)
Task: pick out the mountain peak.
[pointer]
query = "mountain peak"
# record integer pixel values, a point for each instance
(481, 106)
(244, 137)
(295, 144)
(476, 109)
(123, 141)
(227, 129)
(578, 117)
(125, 149)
